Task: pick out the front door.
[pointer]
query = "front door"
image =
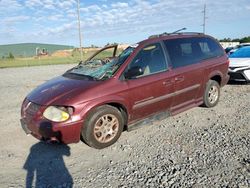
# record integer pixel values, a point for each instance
(152, 90)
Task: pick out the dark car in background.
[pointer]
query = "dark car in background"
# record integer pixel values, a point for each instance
(98, 99)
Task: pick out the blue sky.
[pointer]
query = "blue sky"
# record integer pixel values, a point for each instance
(108, 21)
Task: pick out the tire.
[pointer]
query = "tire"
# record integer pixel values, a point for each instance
(212, 94)
(102, 127)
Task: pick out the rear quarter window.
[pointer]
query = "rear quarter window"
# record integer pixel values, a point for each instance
(188, 51)
(210, 48)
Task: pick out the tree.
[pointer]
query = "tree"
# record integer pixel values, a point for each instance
(245, 39)
(235, 40)
(93, 46)
(241, 40)
(11, 56)
(226, 40)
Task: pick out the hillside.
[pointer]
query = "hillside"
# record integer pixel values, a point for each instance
(29, 49)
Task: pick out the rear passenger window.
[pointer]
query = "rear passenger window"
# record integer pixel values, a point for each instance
(188, 51)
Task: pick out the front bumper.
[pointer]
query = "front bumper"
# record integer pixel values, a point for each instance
(46, 130)
(239, 74)
(35, 124)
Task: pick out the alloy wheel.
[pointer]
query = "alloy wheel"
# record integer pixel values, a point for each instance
(106, 128)
(213, 94)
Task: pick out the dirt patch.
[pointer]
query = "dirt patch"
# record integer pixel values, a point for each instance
(62, 53)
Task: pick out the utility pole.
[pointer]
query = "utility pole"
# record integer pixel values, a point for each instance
(204, 18)
(79, 27)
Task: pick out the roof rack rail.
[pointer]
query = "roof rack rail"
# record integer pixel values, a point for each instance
(169, 34)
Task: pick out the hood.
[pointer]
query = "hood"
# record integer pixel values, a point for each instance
(239, 62)
(60, 90)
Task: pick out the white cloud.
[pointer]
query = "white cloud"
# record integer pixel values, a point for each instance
(71, 14)
(119, 5)
(141, 12)
(91, 8)
(49, 6)
(62, 29)
(119, 18)
(33, 3)
(67, 4)
(56, 17)
(15, 19)
(9, 6)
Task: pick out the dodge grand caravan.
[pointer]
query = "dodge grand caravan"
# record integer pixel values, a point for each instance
(99, 98)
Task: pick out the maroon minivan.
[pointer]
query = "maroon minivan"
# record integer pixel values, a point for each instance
(99, 98)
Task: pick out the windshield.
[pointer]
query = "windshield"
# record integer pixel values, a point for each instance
(101, 69)
(243, 52)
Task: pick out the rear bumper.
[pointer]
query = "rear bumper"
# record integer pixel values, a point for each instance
(46, 130)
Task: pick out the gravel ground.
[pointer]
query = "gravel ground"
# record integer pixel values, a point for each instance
(198, 148)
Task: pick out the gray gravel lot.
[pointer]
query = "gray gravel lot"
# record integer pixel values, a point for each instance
(198, 148)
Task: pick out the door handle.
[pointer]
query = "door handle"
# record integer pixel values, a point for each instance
(168, 82)
(179, 79)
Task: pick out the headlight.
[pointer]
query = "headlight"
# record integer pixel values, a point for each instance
(57, 114)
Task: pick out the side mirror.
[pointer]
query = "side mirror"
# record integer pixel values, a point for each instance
(133, 72)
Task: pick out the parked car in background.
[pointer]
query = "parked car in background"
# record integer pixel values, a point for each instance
(231, 50)
(96, 100)
(228, 49)
(239, 66)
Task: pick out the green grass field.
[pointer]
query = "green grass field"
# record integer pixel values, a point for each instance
(22, 62)
(29, 49)
(49, 60)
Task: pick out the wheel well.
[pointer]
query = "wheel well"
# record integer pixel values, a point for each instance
(123, 111)
(216, 78)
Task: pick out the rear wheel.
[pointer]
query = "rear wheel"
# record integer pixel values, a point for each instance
(212, 94)
(103, 127)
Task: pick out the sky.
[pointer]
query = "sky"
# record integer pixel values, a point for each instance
(109, 21)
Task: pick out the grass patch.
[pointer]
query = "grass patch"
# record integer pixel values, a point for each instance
(24, 62)
(48, 60)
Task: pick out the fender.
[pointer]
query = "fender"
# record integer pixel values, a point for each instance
(214, 73)
(102, 101)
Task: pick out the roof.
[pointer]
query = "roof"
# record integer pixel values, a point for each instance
(175, 34)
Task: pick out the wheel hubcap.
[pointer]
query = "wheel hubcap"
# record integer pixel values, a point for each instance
(106, 128)
(213, 94)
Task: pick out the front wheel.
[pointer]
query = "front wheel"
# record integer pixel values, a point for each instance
(103, 127)
(212, 94)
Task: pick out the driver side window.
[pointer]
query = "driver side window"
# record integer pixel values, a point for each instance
(149, 60)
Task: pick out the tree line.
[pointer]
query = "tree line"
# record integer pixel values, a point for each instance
(9, 56)
(240, 40)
